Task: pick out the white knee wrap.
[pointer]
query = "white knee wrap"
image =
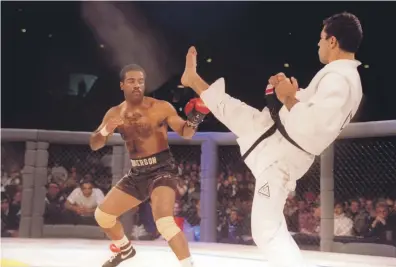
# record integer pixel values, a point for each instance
(104, 219)
(167, 227)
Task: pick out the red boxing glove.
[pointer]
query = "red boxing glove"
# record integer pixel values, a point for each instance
(196, 111)
(198, 105)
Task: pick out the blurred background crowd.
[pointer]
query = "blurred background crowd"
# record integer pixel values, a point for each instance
(78, 180)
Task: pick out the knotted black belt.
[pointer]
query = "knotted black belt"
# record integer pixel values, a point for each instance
(274, 106)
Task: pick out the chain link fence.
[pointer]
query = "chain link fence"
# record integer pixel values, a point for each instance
(365, 186)
(187, 205)
(235, 194)
(68, 166)
(12, 165)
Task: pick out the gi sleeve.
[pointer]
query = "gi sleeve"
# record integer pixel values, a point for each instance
(317, 123)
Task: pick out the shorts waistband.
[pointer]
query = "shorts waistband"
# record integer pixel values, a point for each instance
(152, 160)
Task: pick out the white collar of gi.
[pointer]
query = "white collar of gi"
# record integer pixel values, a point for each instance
(345, 62)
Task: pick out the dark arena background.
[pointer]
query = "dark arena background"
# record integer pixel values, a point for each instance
(60, 74)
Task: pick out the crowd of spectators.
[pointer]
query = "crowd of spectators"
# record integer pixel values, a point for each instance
(74, 191)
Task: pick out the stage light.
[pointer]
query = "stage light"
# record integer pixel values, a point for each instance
(286, 65)
(23, 30)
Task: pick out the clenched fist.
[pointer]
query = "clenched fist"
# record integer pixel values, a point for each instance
(111, 125)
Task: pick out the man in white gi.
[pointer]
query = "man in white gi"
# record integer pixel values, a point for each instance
(308, 121)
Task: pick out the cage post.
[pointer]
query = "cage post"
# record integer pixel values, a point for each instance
(209, 160)
(327, 199)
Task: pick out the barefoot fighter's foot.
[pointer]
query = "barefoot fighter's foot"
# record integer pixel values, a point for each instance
(190, 70)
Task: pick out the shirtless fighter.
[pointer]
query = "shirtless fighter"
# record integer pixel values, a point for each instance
(143, 122)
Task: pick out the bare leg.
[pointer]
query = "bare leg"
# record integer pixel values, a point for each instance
(117, 203)
(163, 201)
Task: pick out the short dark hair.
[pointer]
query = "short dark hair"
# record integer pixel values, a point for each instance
(346, 28)
(128, 68)
(340, 203)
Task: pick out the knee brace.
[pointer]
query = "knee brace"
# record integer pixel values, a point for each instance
(167, 227)
(104, 219)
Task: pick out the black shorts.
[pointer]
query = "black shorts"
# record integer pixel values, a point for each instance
(148, 173)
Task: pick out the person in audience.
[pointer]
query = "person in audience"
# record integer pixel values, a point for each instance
(379, 225)
(343, 225)
(358, 216)
(9, 218)
(306, 219)
(83, 201)
(54, 204)
(233, 229)
(58, 173)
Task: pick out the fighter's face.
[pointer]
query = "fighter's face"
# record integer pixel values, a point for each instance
(133, 86)
(326, 46)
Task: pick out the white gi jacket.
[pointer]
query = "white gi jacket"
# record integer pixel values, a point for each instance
(326, 105)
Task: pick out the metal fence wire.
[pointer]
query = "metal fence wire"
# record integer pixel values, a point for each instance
(364, 182)
(188, 159)
(365, 168)
(235, 194)
(68, 165)
(72, 163)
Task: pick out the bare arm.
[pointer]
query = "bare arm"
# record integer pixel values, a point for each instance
(71, 207)
(176, 123)
(99, 137)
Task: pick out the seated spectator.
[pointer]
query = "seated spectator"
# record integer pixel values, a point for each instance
(225, 190)
(358, 216)
(343, 225)
(9, 218)
(234, 229)
(82, 202)
(58, 173)
(54, 204)
(369, 208)
(309, 221)
(379, 225)
(14, 177)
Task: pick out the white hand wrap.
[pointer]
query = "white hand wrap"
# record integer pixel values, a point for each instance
(104, 132)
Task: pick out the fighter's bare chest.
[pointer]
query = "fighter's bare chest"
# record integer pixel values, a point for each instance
(139, 124)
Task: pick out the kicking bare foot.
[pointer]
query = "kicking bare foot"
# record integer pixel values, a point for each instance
(190, 70)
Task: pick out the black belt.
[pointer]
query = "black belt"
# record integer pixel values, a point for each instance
(277, 126)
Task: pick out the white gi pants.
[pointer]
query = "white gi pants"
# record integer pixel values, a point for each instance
(269, 229)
